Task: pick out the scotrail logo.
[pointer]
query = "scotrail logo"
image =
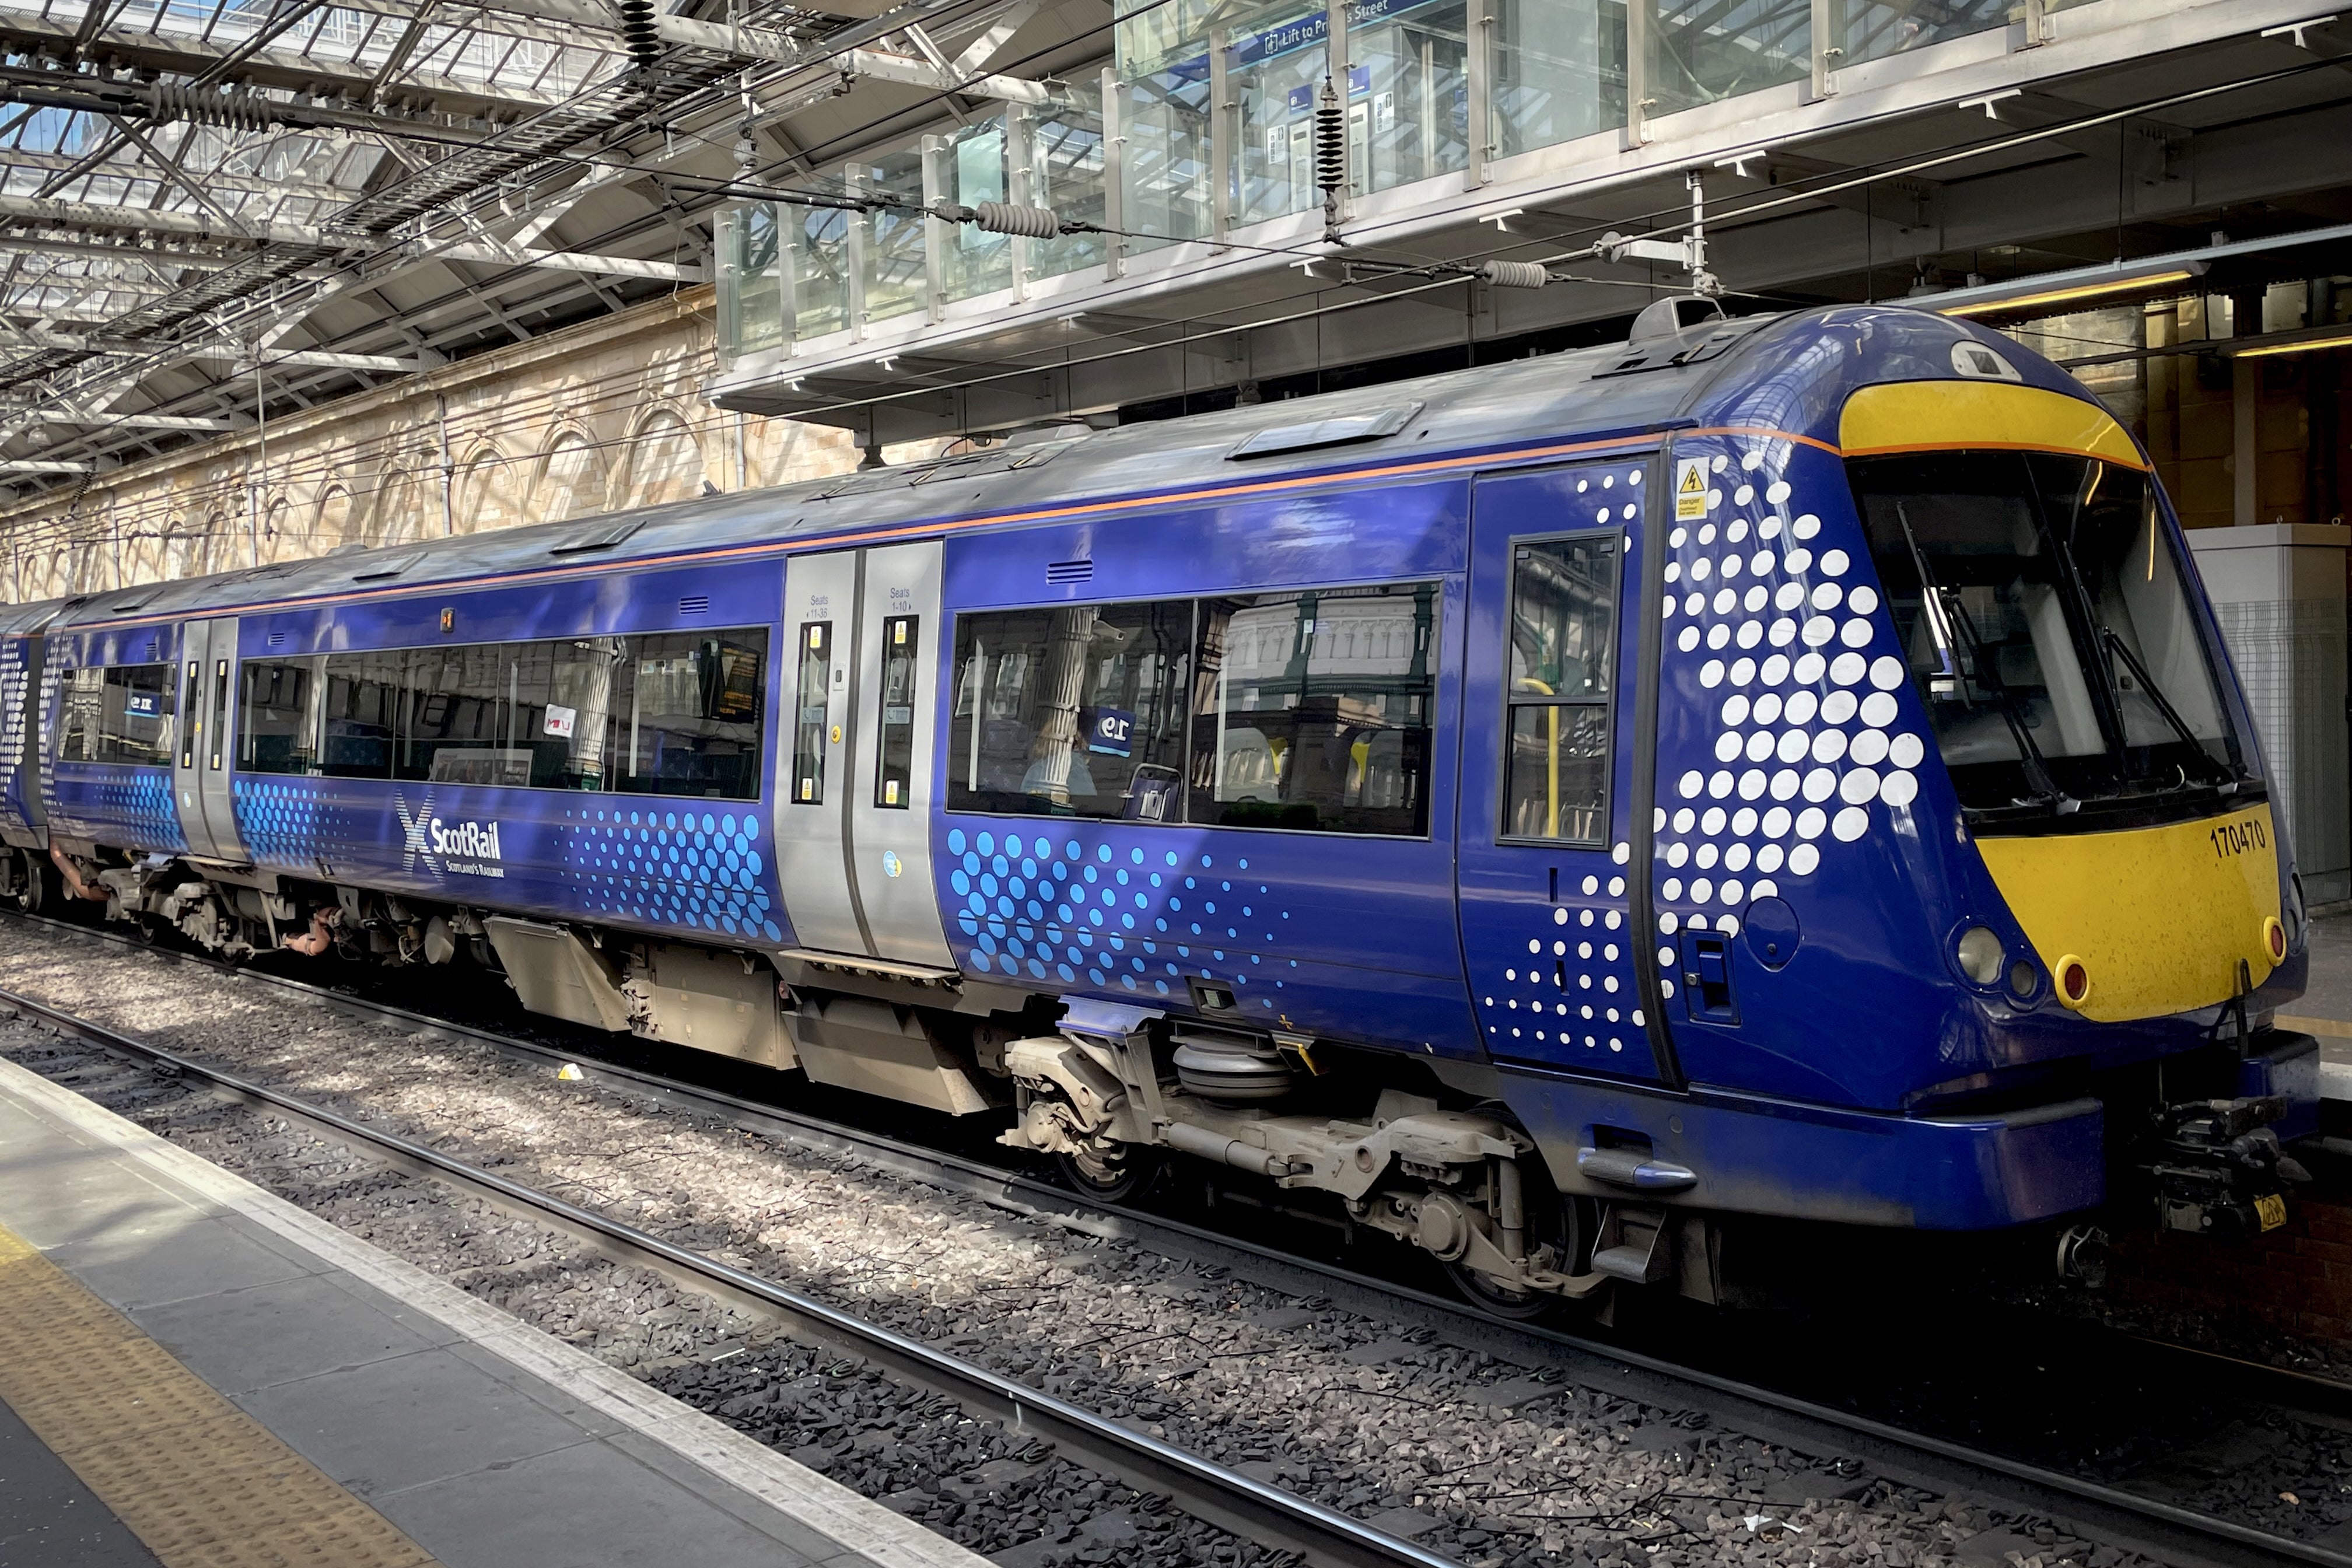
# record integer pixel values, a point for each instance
(459, 848)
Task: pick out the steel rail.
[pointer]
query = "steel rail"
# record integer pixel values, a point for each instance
(2098, 1511)
(1239, 1503)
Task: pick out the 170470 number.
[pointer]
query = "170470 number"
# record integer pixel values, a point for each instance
(2237, 838)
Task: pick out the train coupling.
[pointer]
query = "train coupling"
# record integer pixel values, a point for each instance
(2219, 1169)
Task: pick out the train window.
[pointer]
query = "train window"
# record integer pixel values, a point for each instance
(2048, 631)
(664, 714)
(1076, 710)
(462, 718)
(894, 766)
(220, 711)
(189, 710)
(278, 711)
(1314, 709)
(810, 697)
(685, 714)
(360, 717)
(122, 715)
(1562, 653)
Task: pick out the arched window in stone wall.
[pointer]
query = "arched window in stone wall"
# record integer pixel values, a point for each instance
(143, 545)
(399, 515)
(223, 547)
(277, 544)
(665, 461)
(333, 526)
(489, 492)
(184, 549)
(572, 480)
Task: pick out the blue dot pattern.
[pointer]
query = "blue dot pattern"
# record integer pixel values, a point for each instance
(283, 821)
(128, 806)
(699, 870)
(1097, 907)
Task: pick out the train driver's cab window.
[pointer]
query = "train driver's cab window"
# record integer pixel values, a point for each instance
(1076, 710)
(1562, 641)
(121, 715)
(1313, 711)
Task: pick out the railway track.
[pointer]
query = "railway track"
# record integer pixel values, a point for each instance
(1241, 1503)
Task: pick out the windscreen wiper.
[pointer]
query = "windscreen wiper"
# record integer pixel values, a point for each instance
(1946, 682)
(2227, 778)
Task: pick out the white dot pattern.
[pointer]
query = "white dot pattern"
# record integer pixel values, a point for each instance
(1824, 720)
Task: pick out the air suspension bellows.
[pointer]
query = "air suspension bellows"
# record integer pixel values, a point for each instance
(1233, 1070)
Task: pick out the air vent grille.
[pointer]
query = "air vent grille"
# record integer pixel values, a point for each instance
(693, 605)
(1069, 570)
(278, 639)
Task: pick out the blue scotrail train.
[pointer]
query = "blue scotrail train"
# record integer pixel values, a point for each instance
(1569, 814)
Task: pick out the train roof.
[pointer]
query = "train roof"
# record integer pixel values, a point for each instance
(1786, 373)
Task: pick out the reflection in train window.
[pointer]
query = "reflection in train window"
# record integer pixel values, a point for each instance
(671, 713)
(1076, 710)
(121, 715)
(1563, 645)
(1314, 709)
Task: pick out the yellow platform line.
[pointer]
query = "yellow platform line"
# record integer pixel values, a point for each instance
(201, 1483)
(2334, 1029)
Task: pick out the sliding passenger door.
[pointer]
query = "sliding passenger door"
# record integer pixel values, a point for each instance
(812, 751)
(206, 701)
(854, 759)
(892, 790)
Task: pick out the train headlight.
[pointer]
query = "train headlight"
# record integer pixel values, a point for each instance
(1979, 954)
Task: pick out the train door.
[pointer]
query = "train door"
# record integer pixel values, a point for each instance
(207, 736)
(852, 814)
(891, 790)
(1548, 925)
(813, 752)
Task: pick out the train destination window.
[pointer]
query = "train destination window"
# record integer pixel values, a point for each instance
(1314, 709)
(670, 713)
(2045, 623)
(894, 768)
(811, 695)
(1563, 641)
(1076, 710)
(121, 715)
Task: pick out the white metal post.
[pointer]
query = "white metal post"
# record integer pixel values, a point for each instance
(1479, 88)
(1114, 173)
(1222, 109)
(1829, 46)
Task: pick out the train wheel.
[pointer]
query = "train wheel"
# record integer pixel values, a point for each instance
(36, 883)
(1114, 1174)
(1561, 1227)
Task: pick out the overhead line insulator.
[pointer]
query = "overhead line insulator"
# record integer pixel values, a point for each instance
(1513, 274)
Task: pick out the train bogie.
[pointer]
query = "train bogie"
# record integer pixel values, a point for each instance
(1777, 772)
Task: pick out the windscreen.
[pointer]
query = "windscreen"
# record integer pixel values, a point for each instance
(2051, 635)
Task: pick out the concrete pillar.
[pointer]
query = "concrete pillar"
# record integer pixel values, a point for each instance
(2245, 442)
(2279, 591)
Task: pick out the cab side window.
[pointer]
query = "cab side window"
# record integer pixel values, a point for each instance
(1558, 685)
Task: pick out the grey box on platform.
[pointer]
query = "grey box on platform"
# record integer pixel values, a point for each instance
(2278, 590)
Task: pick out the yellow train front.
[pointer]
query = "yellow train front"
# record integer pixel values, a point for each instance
(1968, 905)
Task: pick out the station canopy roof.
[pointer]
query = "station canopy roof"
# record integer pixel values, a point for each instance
(208, 204)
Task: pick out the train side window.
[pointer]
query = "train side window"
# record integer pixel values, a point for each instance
(360, 722)
(809, 745)
(685, 712)
(1560, 689)
(121, 715)
(278, 711)
(462, 725)
(894, 765)
(1074, 710)
(1314, 709)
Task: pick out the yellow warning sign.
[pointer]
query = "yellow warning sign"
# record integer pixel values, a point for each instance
(1690, 490)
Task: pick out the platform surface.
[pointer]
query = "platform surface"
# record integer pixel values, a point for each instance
(181, 1334)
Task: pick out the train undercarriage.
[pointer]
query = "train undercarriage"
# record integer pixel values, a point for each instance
(1395, 1145)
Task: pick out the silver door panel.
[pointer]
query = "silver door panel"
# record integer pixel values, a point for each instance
(820, 591)
(890, 842)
